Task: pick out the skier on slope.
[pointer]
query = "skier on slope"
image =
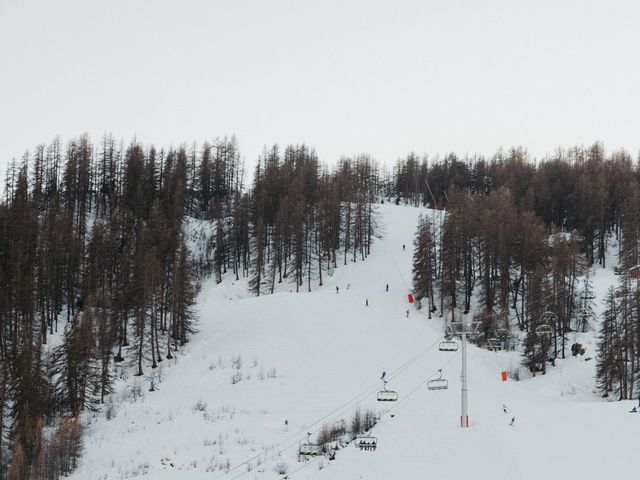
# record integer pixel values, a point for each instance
(337, 289)
(387, 287)
(512, 422)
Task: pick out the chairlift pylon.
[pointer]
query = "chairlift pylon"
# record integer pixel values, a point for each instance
(366, 442)
(438, 383)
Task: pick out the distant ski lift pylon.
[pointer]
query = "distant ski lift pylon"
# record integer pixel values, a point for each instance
(366, 442)
(387, 395)
(448, 346)
(438, 383)
(309, 449)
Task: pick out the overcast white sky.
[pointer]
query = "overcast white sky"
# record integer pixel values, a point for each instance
(381, 77)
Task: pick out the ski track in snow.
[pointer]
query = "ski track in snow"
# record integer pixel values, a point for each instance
(304, 354)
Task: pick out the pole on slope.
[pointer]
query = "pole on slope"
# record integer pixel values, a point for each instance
(464, 414)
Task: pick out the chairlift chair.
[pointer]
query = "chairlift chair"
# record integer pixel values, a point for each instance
(503, 333)
(549, 316)
(387, 395)
(620, 292)
(617, 270)
(448, 346)
(309, 449)
(494, 343)
(438, 383)
(366, 442)
(587, 296)
(543, 330)
(635, 271)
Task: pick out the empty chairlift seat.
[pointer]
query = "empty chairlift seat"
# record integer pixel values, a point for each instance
(494, 344)
(544, 330)
(503, 333)
(438, 383)
(387, 396)
(308, 449)
(448, 346)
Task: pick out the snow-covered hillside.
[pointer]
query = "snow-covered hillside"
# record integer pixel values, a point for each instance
(263, 371)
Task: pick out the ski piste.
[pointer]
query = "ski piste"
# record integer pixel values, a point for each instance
(304, 355)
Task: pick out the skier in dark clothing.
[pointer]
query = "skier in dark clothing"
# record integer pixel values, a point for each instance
(366, 302)
(403, 247)
(387, 287)
(337, 289)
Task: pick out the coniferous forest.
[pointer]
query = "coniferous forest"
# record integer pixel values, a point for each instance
(515, 246)
(97, 269)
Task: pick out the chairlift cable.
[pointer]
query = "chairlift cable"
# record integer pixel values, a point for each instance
(404, 397)
(394, 374)
(401, 276)
(357, 399)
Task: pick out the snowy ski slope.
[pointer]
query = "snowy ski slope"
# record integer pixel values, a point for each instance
(263, 371)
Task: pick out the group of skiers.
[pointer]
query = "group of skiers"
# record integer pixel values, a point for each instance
(366, 301)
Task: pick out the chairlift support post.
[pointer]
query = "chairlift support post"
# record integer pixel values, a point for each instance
(463, 330)
(464, 414)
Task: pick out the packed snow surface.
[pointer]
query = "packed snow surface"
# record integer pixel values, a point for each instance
(263, 371)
